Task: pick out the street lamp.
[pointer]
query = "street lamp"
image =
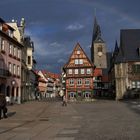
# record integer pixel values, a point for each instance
(13, 82)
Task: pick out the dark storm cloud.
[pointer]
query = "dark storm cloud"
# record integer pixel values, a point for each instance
(56, 26)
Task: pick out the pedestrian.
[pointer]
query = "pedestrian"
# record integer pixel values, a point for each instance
(8, 100)
(64, 101)
(3, 108)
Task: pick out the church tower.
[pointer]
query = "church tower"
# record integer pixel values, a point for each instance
(98, 48)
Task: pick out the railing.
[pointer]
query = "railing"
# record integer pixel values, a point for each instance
(4, 73)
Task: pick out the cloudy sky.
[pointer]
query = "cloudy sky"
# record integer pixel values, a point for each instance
(56, 26)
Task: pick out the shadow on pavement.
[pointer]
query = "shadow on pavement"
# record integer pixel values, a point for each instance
(10, 114)
(133, 104)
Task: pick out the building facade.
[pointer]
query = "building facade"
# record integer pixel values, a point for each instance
(79, 75)
(99, 57)
(18, 77)
(125, 70)
(10, 63)
(51, 84)
(28, 75)
(98, 48)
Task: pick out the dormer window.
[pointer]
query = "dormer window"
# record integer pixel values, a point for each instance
(10, 33)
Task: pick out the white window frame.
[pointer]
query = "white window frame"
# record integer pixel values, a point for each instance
(133, 84)
(19, 53)
(82, 71)
(81, 61)
(87, 81)
(15, 50)
(71, 81)
(10, 33)
(76, 61)
(79, 81)
(70, 71)
(78, 52)
(138, 84)
(10, 48)
(76, 71)
(88, 71)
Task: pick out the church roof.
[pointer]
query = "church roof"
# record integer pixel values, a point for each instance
(96, 33)
(129, 45)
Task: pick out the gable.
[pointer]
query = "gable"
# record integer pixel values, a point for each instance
(79, 58)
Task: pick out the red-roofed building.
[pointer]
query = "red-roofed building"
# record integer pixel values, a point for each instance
(79, 75)
(49, 83)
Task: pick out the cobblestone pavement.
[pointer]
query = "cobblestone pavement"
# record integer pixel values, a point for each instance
(98, 120)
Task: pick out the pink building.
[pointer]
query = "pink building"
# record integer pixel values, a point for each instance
(10, 63)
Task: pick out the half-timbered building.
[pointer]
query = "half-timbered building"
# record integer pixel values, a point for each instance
(79, 75)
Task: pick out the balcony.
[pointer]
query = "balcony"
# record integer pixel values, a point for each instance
(4, 73)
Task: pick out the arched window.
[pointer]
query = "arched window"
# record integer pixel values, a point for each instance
(100, 48)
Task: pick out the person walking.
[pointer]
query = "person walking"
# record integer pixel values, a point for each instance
(3, 108)
(64, 101)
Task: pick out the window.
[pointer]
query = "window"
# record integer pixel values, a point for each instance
(15, 50)
(10, 67)
(78, 52)
(70, 71)
(72, 94)
(76, 61)
(18, 70)
(79, 82)
(87, 94)
(18, 53)
(136, 68)
(81, 61)
(76, 71)
(14, 69)
(133, 84)
(71, 81)
(10, 33)
(82, 71)
(10, 48)
(88, 71)
(100, 48)
(87, 82)
(138, 84)
(29, 59)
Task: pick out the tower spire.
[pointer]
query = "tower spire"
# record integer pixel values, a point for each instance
(96, 30)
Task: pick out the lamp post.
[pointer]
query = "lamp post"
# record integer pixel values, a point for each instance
(13, 82)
